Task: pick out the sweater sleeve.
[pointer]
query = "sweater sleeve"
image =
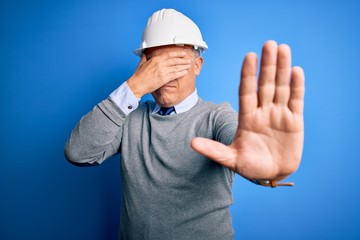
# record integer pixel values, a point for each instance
(225, 122)
(97, 136)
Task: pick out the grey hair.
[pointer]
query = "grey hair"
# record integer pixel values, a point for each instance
(198, 51)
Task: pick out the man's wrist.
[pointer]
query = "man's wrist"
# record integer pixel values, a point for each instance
(131, 82)
(125, 98)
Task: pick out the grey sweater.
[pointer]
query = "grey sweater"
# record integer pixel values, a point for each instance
(169, 190)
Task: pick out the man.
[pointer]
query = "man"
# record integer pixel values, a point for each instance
(180, 153)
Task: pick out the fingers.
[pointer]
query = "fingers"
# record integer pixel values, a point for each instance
(175, 60)
(176, 74)
(173, 54)
(172, 65)
(248, 84)
(267, 73)
(283, 73)
(166, 66)
(274, 85)
(177, 64)
(297, 90)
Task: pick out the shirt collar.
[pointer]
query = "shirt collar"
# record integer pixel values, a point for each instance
(189, 102)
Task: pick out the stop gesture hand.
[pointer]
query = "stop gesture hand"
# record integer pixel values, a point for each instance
(269, 140)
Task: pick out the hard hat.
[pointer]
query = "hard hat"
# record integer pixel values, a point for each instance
(168, 27)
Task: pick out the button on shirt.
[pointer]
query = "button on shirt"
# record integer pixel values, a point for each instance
(128, 102)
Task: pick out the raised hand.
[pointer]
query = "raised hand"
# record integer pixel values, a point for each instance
(154, 72)
(269, 140)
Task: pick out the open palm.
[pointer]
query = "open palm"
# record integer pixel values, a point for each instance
(269, 140)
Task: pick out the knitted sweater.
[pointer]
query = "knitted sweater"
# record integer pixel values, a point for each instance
(168, 190)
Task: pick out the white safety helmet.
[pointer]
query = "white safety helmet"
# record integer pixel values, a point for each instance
(170, 27)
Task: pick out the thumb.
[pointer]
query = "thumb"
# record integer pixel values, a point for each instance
(216, 151)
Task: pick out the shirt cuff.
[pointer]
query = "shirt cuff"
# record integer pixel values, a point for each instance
(125, 98)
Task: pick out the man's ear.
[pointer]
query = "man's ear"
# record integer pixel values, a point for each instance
(198, 63)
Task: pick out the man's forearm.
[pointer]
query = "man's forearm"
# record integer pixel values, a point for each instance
(97, 136)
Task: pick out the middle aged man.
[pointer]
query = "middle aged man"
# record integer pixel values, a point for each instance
(171, 188)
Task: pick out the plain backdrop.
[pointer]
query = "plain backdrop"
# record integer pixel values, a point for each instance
(60, 58)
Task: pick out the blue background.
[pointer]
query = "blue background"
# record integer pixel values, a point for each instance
(60, 58)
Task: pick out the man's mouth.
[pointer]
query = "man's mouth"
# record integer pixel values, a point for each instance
(168, 86)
